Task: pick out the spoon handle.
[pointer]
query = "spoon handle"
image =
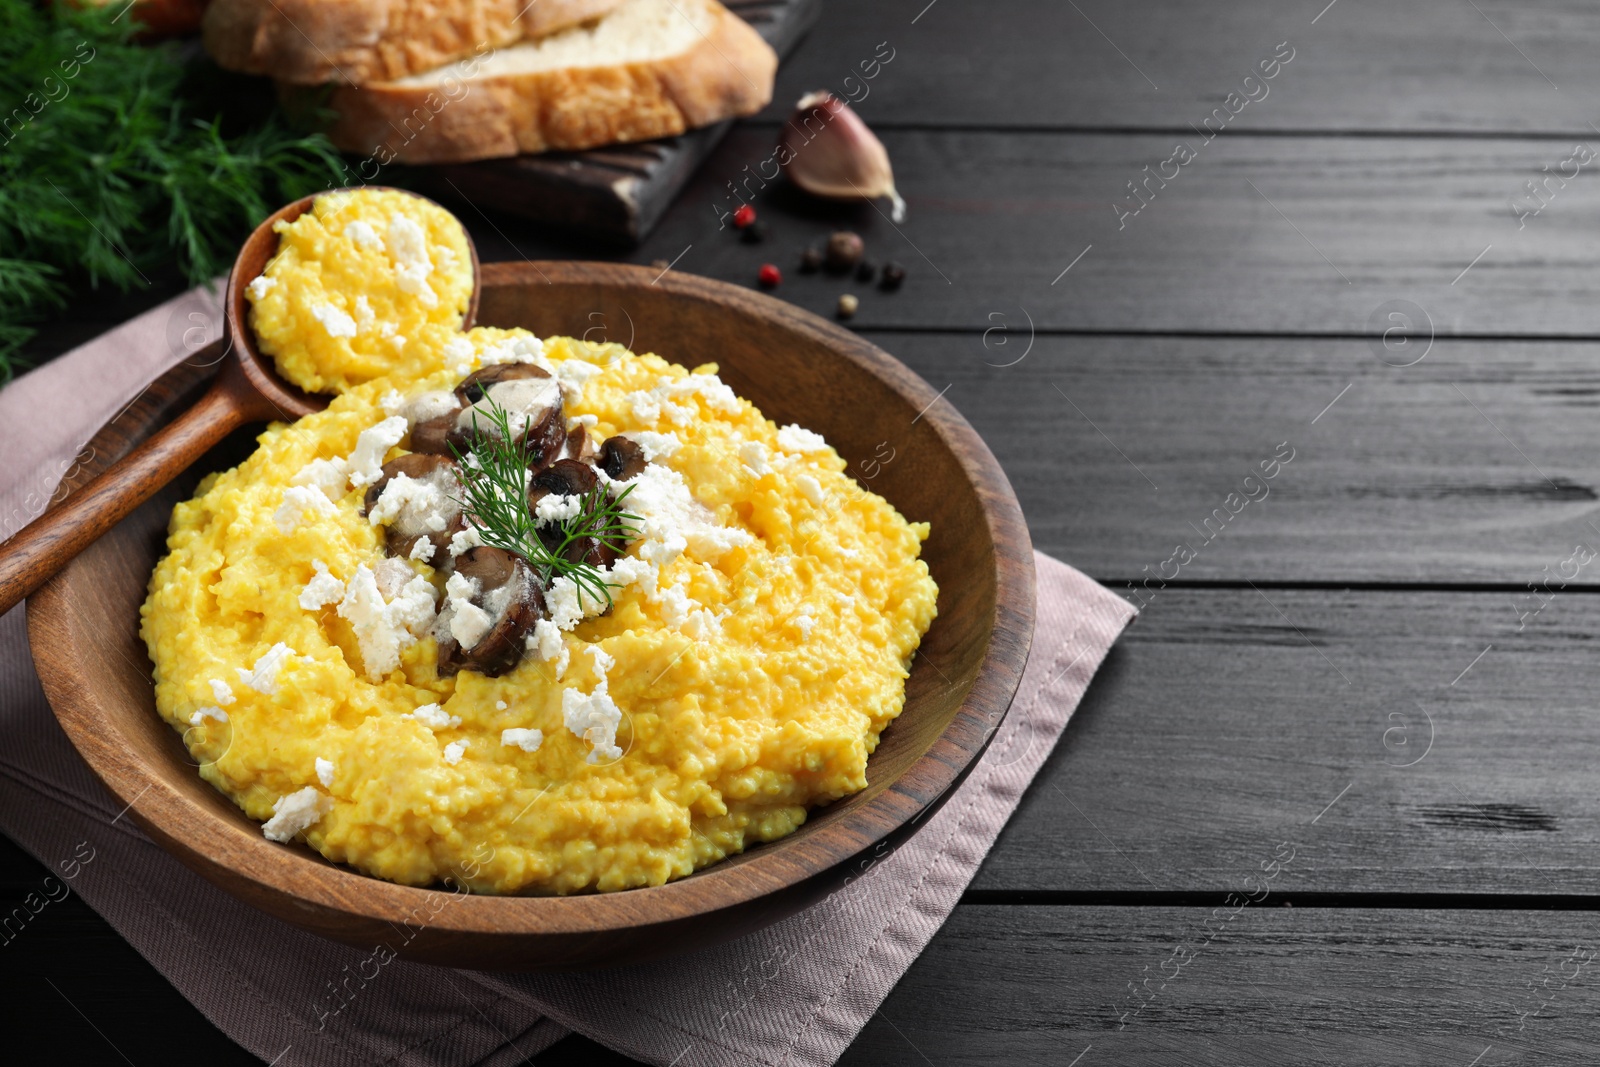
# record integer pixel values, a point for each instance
(44, 546)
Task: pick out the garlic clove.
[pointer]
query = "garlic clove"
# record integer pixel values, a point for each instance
(828, 151)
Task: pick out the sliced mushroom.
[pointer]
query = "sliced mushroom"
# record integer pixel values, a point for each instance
(567, 477)
(580, 446)
(508, 592)
(622, 458)
(437, 523)
(528, 394)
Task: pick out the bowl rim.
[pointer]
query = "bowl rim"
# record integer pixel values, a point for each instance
(302, 875)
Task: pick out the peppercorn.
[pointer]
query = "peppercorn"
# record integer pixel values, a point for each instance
(769, 276)
(848, 302)
(811, 260)
(844, 250)
(754, 233)
(893, 275)
(866, 270)
(744, 216)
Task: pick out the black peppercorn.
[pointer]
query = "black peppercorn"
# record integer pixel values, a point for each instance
(866, 270)
(811, 260)
(893, 275)
(754, 233)
(844, 251)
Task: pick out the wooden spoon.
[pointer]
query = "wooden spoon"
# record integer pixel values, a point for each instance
(247, 389)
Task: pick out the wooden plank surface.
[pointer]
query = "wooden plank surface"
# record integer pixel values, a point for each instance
(1426, 65)
(1379, 731)
(1292, 987)
(1474, 465)
(1292, 235)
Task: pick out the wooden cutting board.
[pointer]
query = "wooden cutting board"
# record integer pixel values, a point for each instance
(619, 192)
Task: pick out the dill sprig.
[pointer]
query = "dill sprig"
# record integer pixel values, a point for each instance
(494, 482)
(120, 161)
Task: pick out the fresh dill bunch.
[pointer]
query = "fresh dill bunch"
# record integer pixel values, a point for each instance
(116, 163)
(494, 484)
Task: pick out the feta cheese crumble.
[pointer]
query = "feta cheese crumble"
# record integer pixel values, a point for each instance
(294, 813)
(527, 740)
(323, 589)
(594, 716)
(336, 322)
(408, 249)
(796, 438)
(753, 455)
(555, 507)
(260, 286)
(385, 629)
(300, 502)
(365, 464)
(454, 751)
(263, 677)
(433, 717)
(424, 502)
(810, 488)
(325, 771)
(201, 714)
(468, 622)
(326, 475)
(361, 232)
(221, 692)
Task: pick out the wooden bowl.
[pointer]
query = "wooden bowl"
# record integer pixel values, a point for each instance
(900, 440)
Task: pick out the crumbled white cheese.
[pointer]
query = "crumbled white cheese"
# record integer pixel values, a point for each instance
(500, 705)
(433, 717)
(422, 550)
(260, 286)
(588, 422)
(572, 375)
(630, 570)
(555, 507)
(408, 248)
(365, 464)
(655, 445)
(453, 752)
(465, 540)
(323, 589)
(335, 321)
(461, 354)
(564, 602)
(810, 488)
(518, 348)
(384, 630)
(546, 641)
(294, 813)
(805, 624)
(753, 454)
(424, 503)
(361, 232)
(398, 342)
(327, 475)
(363, 313)
(670, 513)
(392, 575)
(392, 402)
(263, 677)
(594, 716)
(207, 713)
(221, 692)
(796, 438)
(527, 740)
(325, 772)
(300, 502)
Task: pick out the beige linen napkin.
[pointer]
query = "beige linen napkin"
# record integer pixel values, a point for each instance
(796, 993)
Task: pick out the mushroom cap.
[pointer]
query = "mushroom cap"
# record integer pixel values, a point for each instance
(510, 593)
(545, 429)
(402, 535)
(622, 458)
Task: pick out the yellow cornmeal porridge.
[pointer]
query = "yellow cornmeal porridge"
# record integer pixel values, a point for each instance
(759, 639)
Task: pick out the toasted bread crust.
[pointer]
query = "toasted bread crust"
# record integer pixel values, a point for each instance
(309, 42)
(726, 73)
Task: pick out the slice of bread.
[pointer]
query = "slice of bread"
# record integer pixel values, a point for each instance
(309, 42)
(651, 68)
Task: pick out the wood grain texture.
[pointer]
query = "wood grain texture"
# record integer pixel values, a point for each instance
(1473, 466)
(1293, 987)
(1228, 720)
(1426, 66)
(1290, 235)
(796, 368)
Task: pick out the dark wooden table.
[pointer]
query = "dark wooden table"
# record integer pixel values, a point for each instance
(1334, 797)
